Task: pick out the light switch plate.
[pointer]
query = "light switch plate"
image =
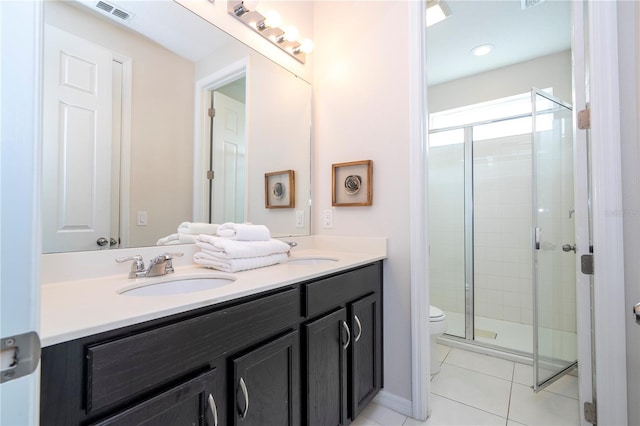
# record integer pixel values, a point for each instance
(299, 218)
(142, 218)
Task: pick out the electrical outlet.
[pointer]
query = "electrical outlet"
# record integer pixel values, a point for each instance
(327, 219)
(142, 218)
(300, 219)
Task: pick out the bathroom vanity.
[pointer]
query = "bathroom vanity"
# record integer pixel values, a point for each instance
(305, 350)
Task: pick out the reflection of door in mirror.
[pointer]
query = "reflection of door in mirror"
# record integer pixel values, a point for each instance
(80, 84)
(228, 154)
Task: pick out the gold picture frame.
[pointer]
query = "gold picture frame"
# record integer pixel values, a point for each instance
(352, 183)
(279, 190)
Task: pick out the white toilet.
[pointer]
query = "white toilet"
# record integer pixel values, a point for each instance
(437, 327)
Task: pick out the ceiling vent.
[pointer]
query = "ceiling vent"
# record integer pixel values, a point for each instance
(526, 4)
(112, 10)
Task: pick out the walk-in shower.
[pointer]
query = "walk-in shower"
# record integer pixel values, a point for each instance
(501, 228)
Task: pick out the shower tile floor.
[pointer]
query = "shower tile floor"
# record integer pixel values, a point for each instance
(513, 335)
(476, 389)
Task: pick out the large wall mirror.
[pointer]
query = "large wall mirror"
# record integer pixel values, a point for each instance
(132, 145)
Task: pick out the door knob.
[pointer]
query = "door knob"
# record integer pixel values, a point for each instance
(102, 241)
(568, 247)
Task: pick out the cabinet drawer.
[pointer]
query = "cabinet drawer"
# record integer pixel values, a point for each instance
(326, 294)
(138, 363)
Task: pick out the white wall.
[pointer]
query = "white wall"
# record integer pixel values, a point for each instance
(547, 71)
(629, 54)
(361, 112)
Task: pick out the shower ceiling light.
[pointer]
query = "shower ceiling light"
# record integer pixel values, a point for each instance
(482, 50)
(437, 11)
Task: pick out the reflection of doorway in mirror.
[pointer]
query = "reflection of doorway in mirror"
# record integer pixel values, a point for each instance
(228, 154)
(82, 127)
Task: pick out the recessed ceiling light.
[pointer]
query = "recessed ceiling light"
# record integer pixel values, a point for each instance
(482, 50)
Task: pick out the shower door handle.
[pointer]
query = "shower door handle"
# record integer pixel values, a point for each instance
(536, 237)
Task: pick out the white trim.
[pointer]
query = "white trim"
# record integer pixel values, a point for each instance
(212, 81)
(609, 306)
(394, 402)
(125, 148)
(21, 32)
(420, 356)
(581, 200)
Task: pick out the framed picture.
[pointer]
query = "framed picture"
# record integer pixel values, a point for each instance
(279, 190)
(352, 183)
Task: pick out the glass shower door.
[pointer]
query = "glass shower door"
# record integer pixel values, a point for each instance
(447, 226)
(554, 270)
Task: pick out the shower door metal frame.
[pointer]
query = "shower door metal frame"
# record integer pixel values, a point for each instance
(469, 314)
(538, 386)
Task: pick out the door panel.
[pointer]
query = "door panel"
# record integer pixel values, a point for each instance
(229, 160)
(366, 346)
(266, 384)
(555, 334)
(326, 386)
(77, 112)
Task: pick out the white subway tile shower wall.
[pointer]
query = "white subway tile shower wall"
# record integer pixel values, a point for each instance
(502, 235)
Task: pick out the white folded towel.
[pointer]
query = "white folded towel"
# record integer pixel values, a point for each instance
(178, 238)
(244, 232)
(232, 249)
(169, 239)
(236, 265)
(196, 228)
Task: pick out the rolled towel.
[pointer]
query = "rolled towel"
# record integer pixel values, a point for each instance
(244, 232)
(195, 228)
(232, 249)
(237, 265)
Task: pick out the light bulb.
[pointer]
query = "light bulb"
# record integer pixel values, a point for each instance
(290, 33)
(250, 4)
(272, 19)
(306, 45)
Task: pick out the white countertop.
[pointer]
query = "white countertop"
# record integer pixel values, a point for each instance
(77, 308)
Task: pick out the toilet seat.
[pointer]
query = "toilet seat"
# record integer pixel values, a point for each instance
(436, 314)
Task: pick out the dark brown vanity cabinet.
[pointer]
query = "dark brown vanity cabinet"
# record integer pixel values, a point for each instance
(342, 347)
(306, 354)
(266, 384)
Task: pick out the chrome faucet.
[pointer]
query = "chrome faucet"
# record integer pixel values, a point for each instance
(159, 265)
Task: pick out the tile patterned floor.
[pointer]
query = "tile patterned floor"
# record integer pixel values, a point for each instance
(476, 389)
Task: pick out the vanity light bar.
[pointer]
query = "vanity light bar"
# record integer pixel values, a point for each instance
(256, 21)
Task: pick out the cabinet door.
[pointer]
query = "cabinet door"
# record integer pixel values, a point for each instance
(365, 356)
(266, 384)
(189, 403)
(326, 340)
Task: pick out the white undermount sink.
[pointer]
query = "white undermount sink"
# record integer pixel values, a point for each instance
(178, 286)
(310, 260)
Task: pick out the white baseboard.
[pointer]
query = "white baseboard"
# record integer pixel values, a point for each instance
(394, 402)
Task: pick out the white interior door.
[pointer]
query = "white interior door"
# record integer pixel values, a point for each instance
(229, 160)
(77, 134)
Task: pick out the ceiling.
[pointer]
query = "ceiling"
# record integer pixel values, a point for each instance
(168, 24)
(518, 35)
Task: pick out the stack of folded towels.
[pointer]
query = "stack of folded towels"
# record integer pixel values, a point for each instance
(187, 233)
(238, 247)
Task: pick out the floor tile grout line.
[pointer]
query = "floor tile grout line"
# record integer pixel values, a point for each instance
(479, 372)
(513, 373)
(470, 406)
